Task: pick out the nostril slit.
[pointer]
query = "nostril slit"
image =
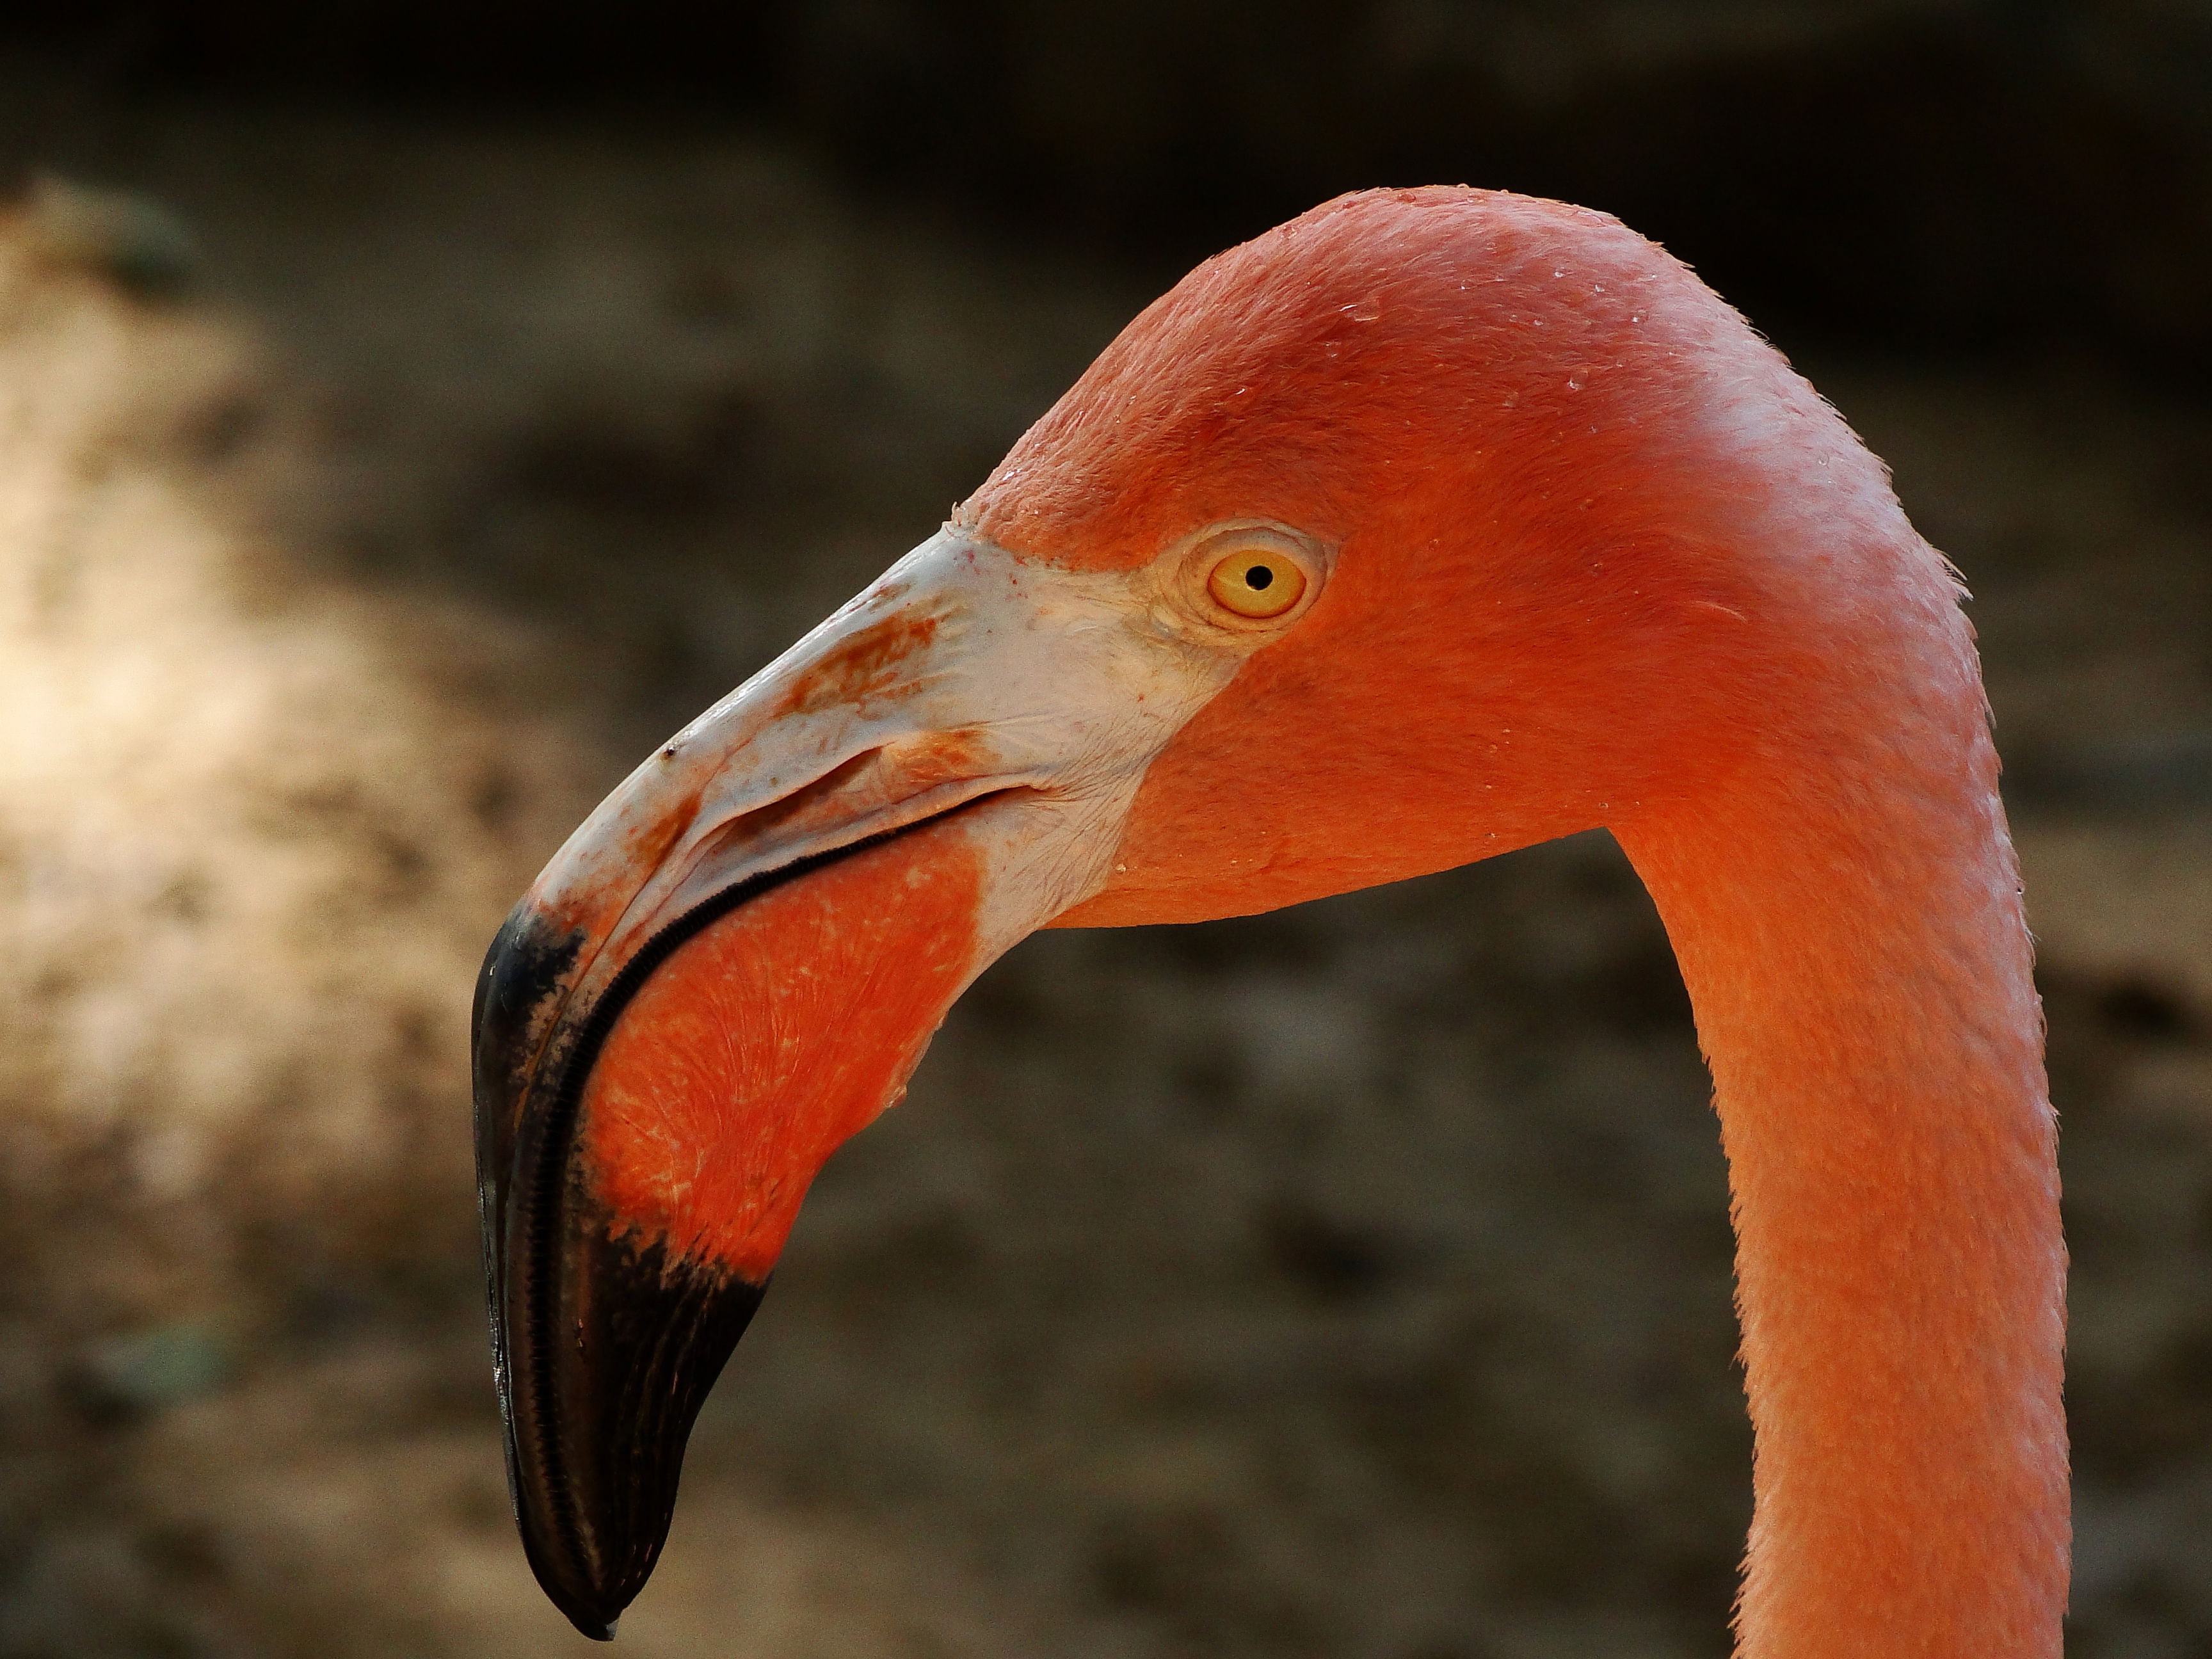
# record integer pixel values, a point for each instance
(914, 776)
(763, 820)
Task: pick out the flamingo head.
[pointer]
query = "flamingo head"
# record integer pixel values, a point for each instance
(1405, 534)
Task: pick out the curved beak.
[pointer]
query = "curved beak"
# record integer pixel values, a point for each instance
(735, 964)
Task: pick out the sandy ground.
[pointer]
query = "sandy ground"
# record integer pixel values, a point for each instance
(1352, 1282)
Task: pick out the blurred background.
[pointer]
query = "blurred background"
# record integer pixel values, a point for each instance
(409, 411)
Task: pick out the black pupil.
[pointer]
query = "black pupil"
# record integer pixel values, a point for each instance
(1259, 577)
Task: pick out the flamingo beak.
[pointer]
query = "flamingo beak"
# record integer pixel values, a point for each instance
(734, 964)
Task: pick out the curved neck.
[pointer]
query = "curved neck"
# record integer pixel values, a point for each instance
(1849, 924)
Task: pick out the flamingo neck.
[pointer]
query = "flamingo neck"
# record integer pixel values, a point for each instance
(1846, 912)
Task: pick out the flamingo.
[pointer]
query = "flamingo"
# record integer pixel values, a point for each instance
(1430, 525)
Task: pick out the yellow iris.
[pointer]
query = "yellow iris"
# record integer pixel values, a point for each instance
(1256, 581)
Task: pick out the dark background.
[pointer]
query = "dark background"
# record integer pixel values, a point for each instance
(410, 412)
(1950, 177)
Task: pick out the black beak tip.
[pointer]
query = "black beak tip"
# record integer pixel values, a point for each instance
(613, 1359)
(594, 1608)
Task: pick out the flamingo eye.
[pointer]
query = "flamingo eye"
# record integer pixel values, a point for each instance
(1256, 581)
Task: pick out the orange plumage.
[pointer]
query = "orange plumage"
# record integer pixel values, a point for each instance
(1608, 561)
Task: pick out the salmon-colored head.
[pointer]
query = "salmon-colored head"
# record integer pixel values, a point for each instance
(1410, 532)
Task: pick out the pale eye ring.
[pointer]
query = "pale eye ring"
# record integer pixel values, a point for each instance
(1256, 581)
